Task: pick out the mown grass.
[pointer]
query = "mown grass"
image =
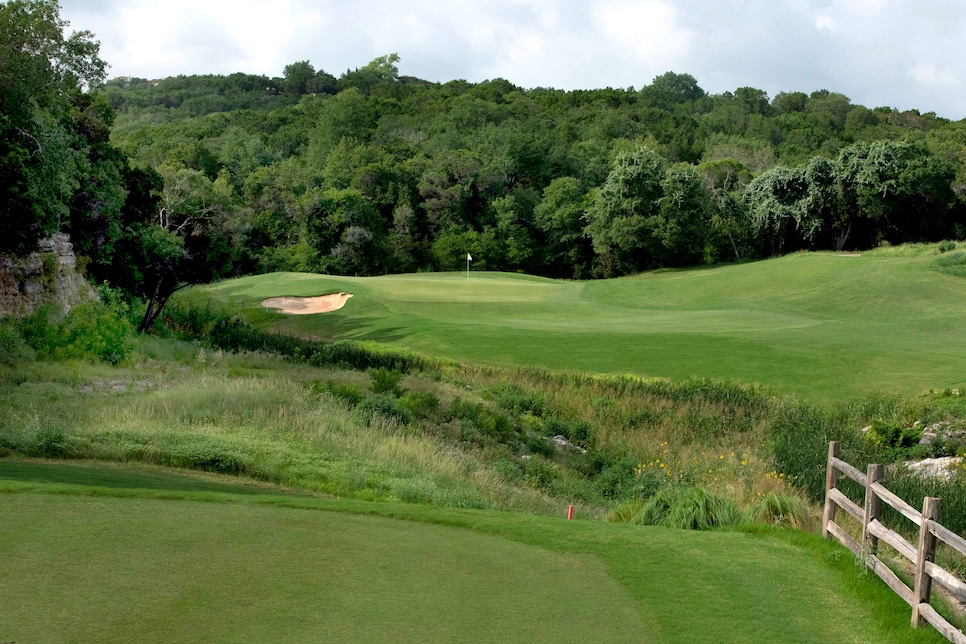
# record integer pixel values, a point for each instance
(275, 567)
(821, 325)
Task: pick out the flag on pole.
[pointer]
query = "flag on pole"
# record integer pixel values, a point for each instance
(469, 258)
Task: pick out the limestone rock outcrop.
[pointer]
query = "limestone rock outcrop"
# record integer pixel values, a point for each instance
(47, 276)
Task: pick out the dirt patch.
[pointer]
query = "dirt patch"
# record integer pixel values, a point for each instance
(850, 254)
(307, 305)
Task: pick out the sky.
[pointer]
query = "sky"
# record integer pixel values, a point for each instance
(903, 54)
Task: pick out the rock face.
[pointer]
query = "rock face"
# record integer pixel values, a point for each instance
(49, 275)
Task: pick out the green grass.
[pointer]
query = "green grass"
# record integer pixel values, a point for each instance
(821, 325)
(240, 567)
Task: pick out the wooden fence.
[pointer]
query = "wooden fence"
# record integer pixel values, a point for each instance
(873, 531)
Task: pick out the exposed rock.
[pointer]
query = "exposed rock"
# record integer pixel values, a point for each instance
(47, 276)
(561, 441)
(936, 468)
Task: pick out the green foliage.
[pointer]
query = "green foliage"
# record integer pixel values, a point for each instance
(95, 330)
(50, 268)
(952, 264)
(689, 508)
(386, 381)
(92, 330)
(50, 442)
(13, 347)
(782, 509)
(946, 245)
(421, 404)
(891, 433)
(386, 406)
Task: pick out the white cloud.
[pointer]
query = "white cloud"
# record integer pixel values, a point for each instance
(649, 29)
(878, 52)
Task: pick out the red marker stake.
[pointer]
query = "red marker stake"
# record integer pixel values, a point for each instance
(570, 513)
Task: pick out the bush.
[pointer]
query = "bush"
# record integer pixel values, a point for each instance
(688, 508)
(889, 434)
(781, 509)
(946, 245)
(952, 264)
(351, 393)
(420, 404)
(92, 330)
(386, 406)
(95, 330)
(578, 432)
(206, 456)
(13, 348)
(49, 443)
(386, 381)
(540, 445)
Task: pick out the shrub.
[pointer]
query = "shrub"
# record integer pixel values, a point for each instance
(887, 434)
(386, 381)
(540, 473)
(13, 348)
(206, 456)
(351, 393)
(540, 445)
(578, 432)
(420, 404)
(946, 245)
(510, 470)
(50, 442)
(386, 406)
(781, 509)
(624, 512)
(91, 330)
(513, 399)
(619, 480)
(952, 264)
(49, 269)
(688, 508)
(95, 330)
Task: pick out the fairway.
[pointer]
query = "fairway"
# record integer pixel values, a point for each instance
(822, 325)
(163, 563)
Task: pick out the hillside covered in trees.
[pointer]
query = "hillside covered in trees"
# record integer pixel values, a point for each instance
(183, 180)
(374, 172)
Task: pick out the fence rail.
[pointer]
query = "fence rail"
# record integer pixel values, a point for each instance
(873, 531)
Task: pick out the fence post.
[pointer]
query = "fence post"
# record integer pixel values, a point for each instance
(831, 478)
(873, 508)
(927, 551)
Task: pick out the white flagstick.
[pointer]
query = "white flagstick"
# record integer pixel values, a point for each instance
(469, 259)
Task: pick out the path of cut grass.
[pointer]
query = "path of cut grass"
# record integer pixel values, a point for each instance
(81, 563)
(825, 326)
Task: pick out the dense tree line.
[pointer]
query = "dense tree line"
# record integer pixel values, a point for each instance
(374, 172)
(179, 180)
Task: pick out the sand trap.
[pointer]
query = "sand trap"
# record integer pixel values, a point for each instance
(307, 305)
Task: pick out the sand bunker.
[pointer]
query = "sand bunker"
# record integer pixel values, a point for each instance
(306, 305)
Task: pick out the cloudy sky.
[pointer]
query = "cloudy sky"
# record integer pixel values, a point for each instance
(907, 54)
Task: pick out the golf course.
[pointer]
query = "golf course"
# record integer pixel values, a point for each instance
(407, 489)
(826, 326)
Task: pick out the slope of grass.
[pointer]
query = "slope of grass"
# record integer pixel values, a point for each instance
(122, 564)
(825, 326)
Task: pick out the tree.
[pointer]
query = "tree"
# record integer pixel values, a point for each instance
(724, 180)
(774, 202)
(41, 74)
(298, 77)
(625, 213)
(670, 89)
(559, 217)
